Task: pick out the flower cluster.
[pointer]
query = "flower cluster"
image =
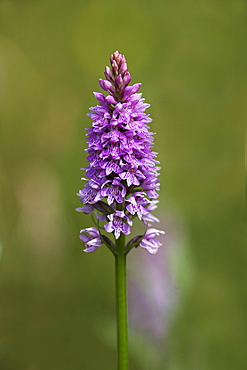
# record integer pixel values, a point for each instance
(122, 173)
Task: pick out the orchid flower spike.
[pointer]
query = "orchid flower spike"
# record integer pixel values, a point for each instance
(122, 173)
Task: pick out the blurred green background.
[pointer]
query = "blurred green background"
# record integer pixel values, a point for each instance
(57, 304)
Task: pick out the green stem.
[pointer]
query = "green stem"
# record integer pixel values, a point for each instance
(121, 304)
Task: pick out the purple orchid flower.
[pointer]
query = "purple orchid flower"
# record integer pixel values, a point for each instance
(150, 242)
(122, 173)
(137, 203)
(114, 191)
(118, 224)
(91, 238)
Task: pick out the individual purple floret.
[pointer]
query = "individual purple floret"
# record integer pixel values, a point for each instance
(150, 242)
(122, 173)
(137, 203)
(91, 238)
(118, 224)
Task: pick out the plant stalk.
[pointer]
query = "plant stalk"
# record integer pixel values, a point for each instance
(121, 304)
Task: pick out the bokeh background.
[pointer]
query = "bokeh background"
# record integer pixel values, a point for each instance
(186, 303)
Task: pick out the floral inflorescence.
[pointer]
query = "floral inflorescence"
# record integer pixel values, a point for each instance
(122, 173)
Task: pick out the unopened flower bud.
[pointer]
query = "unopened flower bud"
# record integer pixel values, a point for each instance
(123, 59)
(130, 90)
(105, 85)
(99, 96)
(110, 99)
(119, 80)
(123, 68)
(114, 66)
(126, 78)
(108, 74)
(117, 56)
